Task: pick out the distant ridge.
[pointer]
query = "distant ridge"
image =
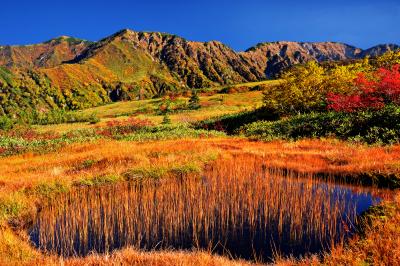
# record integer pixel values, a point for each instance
(159, 61)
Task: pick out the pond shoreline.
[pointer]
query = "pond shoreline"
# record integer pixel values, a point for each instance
(36, 196)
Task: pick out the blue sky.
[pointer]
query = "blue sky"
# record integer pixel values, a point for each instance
(239, 24)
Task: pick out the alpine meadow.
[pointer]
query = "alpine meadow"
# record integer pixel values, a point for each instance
(147, 148)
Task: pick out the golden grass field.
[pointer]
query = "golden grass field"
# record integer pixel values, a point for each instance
(212, 106)
(28, 179)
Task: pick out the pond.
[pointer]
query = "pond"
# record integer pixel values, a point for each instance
(241, 210)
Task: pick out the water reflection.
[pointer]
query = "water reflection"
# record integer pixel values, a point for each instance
(234, 208)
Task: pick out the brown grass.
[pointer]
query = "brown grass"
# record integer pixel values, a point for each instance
(160, 258)
(116, 157)
(379, 246)
(233, 198)
(24, 173)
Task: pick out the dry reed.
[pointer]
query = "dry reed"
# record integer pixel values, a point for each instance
(27, 171)
(237, 207)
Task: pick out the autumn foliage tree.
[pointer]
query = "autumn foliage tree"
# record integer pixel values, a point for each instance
(302, 91)
(304, 88)
(312, 87)
(382, 88)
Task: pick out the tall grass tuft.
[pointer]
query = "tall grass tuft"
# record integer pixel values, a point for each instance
(237, 207)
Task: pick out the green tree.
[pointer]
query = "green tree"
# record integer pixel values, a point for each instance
(194, 101)
(166, 119)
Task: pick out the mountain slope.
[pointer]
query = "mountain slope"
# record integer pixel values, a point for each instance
(112, 60)
(51, 53)
(148, 57)
(196, 64)
(379, 50)
(272, 57)
(72, 73)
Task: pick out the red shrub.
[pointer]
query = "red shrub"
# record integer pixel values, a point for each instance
(219, 126)
(389, 83)
(115, 127)
(29, 134)
(373, 93)
(2, 150)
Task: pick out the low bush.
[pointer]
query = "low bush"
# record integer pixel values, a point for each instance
(229, 123)
(123, 127)
(382, 88)
(6, 123)
(381, 126)
(315, 87)
(46, 118)
(57, 117)
(194, 101)
(170, 131)
(230, 90)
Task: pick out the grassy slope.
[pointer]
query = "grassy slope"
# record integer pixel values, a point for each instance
(116, 61)
(245, 99)
(247, 84)
(214, 105)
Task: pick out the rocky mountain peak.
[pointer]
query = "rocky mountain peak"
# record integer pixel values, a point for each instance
(130, 56)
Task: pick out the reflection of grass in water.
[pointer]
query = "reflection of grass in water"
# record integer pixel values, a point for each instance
(234, 201)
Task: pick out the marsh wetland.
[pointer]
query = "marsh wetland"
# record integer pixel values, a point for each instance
(236, 208)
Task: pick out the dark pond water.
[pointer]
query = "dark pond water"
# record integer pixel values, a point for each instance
(239, 212)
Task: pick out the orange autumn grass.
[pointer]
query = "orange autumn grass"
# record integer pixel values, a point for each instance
(203, 212)
(80, 162)
(115, 157)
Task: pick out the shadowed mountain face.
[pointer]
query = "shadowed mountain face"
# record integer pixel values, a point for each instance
(162, 61)
(379, 50)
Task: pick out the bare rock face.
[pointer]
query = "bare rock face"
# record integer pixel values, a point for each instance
(197, 64)
(128, 56)
(273, 57)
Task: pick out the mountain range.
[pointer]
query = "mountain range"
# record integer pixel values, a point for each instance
(154, 62)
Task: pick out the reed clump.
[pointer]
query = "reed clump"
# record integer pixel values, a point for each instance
(27, 178)
(237, 207)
